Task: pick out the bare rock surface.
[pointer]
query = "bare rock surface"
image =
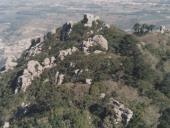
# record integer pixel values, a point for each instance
(96, 40)
(86, 45)
(89, 19)
(121, 113)
(6, 125)
(49, 62)
(33, 70)
(162, 29)
(89, 81)
(66, 52)
(99, 39)
(37, 49)
(59, 78)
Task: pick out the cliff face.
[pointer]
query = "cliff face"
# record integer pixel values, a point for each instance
(86, 74)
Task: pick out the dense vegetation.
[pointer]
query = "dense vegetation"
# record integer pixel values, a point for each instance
(126, 72)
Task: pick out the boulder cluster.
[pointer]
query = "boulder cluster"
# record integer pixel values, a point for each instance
(33, 70)
(66, 52)
(35, 48)
(120, 112)
(96, 40)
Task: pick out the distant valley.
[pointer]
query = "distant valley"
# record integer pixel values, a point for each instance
(22, 20)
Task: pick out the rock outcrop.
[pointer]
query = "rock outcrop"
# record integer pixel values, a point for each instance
(49, 62)
(96, 40)
(6, 125)
(66, 52)
(65, 31)
(59, 78)
(34, 50)
(99, 39)
(102, 95)
(89, 19)
(120, 112)
(89, 81)
(34, 69)
(86, 45)
(162, 29)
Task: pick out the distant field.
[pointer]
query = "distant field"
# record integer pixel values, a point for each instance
(20, 19)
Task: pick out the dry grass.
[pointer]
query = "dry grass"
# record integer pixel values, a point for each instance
(77, 89)
(130, 97)
(151, 115)
(156, 39)
(125, 94)
(150, 59)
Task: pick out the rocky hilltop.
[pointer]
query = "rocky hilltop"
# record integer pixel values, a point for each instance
(88, 75)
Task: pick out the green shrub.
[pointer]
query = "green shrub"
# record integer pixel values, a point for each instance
(164, 86)
(165, 119)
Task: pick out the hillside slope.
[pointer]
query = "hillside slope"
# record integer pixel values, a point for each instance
(89, 75)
